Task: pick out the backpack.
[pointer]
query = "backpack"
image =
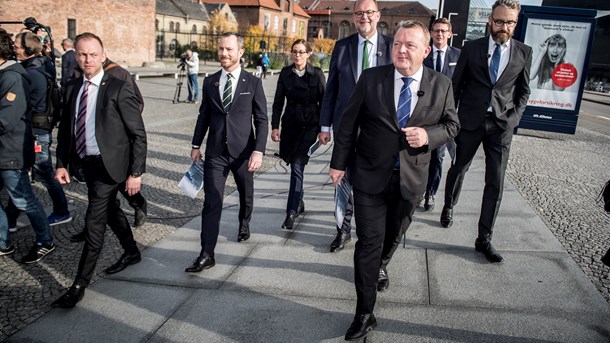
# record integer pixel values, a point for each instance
(53, 102)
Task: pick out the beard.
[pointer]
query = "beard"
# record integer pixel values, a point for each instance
(500, 36)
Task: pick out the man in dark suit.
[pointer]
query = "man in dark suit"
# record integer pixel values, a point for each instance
(443, 59)
(401, 112)
(233, 113)
(69, 64)
(491, 85)
(350, 57)
(102, 127)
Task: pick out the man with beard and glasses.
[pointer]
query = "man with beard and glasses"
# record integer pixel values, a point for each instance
(491, 89)
(351, 55)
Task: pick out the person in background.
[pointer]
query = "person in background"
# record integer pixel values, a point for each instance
(300, 87)
(192, 71)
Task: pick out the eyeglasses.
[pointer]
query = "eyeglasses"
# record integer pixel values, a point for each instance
(440, 30)
(500, 22)
(299, 52)
(368, 13)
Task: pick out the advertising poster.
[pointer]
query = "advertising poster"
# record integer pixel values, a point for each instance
(559, 52)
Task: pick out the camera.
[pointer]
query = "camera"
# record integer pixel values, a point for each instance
(182, 62)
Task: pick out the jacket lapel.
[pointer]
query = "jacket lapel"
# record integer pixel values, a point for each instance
(215, 90)
(382, 47)
(483, 48)
(101, 93)
(353, 53)
(426, 88)
(511, 60)
(73, 99)
(239, 88)
(388, 89)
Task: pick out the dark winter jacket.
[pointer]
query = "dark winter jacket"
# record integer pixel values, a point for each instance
(38, 69)
(300, 120)
(16, 139)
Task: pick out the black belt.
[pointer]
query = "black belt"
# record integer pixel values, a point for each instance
(91, 158)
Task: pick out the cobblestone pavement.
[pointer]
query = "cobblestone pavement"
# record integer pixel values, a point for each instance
(559, 175)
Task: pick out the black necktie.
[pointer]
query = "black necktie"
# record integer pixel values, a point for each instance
(227, 94)
(439, 66)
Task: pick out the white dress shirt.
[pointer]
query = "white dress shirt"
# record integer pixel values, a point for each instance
(92, 148)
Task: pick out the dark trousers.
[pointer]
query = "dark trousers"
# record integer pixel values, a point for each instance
(378, 217)
(295, 193)
(103, 209)
(435, 170)
(346, 227)
(496, 145)
(216, 169)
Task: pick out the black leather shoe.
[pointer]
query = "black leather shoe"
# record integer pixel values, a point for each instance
(384, 280)
(140, 217)
(288, 222)
(429, 204)
(201, 263)
(79, 237)
(447, 217)
(126, 260)
(301, 208)
(339, 243)
(606, 258)
(488, 250)
(244, 233)
(70, 298)
(361, 326)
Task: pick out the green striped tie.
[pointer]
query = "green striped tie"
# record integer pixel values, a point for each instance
(365, 56)
(226, 94)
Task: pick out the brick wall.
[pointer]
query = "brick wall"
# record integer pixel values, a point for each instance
(127, 27)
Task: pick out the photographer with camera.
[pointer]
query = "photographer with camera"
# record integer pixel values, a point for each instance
(192, 70)
(41, 72)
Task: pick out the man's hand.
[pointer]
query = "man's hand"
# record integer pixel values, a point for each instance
(324, 137)
(62, 176)
(336, 176)
(132, 186)
(416, 136)
(275, 135)
(196, 155)
(255, 162)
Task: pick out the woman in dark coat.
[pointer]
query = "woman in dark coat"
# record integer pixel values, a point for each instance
(301, 87)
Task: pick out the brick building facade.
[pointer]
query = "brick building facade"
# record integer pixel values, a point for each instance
(126, 27)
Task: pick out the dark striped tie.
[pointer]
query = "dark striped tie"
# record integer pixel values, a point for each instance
(226, 94)
(79, 128)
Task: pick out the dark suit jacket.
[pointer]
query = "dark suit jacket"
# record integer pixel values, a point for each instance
(451, 58)
(119, 129)
(473, 90)
(68, 67)
(343, 74)
(244, 128)
(371, 110)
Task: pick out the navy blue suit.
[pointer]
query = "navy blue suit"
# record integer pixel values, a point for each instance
(342, 78)
(436, 161)
(232, 137)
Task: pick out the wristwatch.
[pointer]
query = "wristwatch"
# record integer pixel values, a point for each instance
(136, 174)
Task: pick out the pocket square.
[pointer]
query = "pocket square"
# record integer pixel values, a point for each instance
(452, 63)
(244, 93)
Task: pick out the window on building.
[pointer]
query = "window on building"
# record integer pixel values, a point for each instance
(194, 29)
(178, 27)
(267, 21)
(343, 29)
(171, 26)
(276, 22)
(382, 27)
(301, 29)
(294, 26)
(156, 24)
(72, 29)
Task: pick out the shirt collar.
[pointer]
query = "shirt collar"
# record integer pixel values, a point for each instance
(416, 77)
(235, 73)
(492, 44)
(372, 40)
(435, 49)
(96, 80)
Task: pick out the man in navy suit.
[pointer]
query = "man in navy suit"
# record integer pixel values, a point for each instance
(347, 62)
(395, 117)
(233, 113)
(491, 86)
(69, 64)
(443, 59)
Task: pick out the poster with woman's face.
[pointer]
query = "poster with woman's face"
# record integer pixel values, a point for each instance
(559, 51)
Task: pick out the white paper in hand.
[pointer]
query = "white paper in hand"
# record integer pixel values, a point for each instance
(192, 181)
